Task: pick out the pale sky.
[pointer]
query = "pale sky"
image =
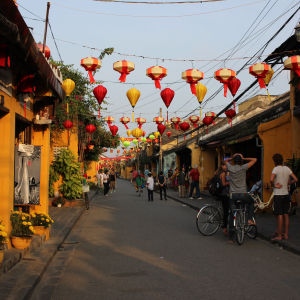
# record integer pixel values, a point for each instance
(204, 36)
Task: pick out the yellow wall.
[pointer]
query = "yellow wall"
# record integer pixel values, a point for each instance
(207, 165)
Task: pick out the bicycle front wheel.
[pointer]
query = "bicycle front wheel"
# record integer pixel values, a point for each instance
(239, 227)
(251, 231)
(208, 220)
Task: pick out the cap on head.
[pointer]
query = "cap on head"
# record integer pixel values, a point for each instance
(237, 158)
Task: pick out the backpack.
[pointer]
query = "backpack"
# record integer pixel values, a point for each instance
(215, 186)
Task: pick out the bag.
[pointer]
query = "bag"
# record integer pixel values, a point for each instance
(215, 186)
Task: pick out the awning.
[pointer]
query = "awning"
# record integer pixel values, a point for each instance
(245, 138)
(214, 144)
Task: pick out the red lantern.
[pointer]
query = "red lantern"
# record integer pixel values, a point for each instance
(4, 57)
(230, 114)
(109, 120)
(233, 86)
(118, 151)
(156, 140)
(169, 134)
(184, 127)
(104, 149)
(111, 150)
(90, 129)
(194, 120)
(156, 73)
(167, 95)
(91, 147)
(113, 129)
(91, 64)
(124, 121)
(47, 50)
(175, 121)
(212, 115)
(158, 120)
(144, 133)
(224, 76)
(124, 67)
(161, 128)
(207, 121)
(140, 121)
(68, 124)
(260, 71)
(100, 93)
(192, 76)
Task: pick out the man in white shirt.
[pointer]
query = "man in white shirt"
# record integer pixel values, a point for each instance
(280, 179)
(150, 186)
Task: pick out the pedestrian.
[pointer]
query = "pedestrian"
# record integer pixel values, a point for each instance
(280, 179)
(98, 177)
(139, 182)
(162, 184)
(182, 177)
(134, 176)
(224, 197)
(238, 189)
(150, 187)
(130, 176)
(106, 182)
(146, 173)
(170, 174)
(113, 180)
(194, 174)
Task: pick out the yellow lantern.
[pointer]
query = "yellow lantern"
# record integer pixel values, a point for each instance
(156, 134)
(122, 139)
(133, 96)
(137, 132)
(201, 91)
(128, 133)
(267, 80)
(68, 86)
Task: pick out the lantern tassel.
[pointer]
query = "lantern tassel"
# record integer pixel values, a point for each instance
(133, 115)
(261, 82)
(193, 88)
(225, 89)
(123, 76)
(92, 80)
(268, 94)
(157, 84)
(230, 122)
(140, 126)
(126, 126)
(99, 113)
(207, 129)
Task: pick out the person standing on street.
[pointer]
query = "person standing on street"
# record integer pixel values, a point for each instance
(238, 188)
(194, 174)
(106, 183)
(182, 177)
(146, 173)
(280, 179)
(162, 184)
(113, 180)
(150, 186)
(130, 176)
(98, 176)
(134, 176)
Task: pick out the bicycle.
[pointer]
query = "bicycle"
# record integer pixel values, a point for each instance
(140, 190)
(210, 218)
(240, 223)
(87, 200)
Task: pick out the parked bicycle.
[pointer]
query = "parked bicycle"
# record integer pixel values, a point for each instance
(240, 223)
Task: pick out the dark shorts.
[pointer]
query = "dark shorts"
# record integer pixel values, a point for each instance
(281, 204)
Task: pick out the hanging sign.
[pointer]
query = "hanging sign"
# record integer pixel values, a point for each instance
(26, 148)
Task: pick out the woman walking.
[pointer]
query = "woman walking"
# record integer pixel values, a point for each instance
(113, 180)
(150, 186)
(162, 184)
(106, 183)
(182, 177)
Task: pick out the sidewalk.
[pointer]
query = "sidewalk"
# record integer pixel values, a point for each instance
(266, 223)
(22, 270)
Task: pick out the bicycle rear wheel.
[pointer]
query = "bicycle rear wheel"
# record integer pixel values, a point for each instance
(251, 231)
(239, 227)
(208, 220)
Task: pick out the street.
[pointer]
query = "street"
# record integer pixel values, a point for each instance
(125, 247)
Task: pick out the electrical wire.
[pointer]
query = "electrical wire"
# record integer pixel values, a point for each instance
(55, 42)
(144, 2)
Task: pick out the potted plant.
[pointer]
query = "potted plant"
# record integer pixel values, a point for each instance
(3, 240)
(22, 230)
(41, 223)
(58, 201)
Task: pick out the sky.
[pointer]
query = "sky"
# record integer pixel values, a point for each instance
(213, 29)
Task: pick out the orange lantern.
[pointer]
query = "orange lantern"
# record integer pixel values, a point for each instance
(293, 63)
(124, 121)
(140, 121)
(118, 151)
(192, 76)
(260, 71)
(124, 67)
(158, 120)
(111, 150)
(156, 73)
(91, 64)
(175, 121)
(224, 76)
(109, 120)
(194, 120)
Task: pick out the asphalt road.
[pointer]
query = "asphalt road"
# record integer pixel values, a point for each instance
(125, 247)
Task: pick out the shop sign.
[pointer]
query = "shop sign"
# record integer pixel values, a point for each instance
(26, 148)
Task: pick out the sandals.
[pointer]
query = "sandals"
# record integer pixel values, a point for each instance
(273, 235)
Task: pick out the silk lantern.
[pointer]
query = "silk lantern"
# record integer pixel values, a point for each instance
(140, 121)
(156, 73)
(156, 134)
(104, 149)
(175, 121)
(111, 150)
(158, 120)
(184, 126)
(122, 139)
(192, 76)
(133, 96)
(124, 67)
(126, 143)
(68, 124)
(91, 64)
(293, 63)
(90, 129)
(47, 50)
(233, 86)
(201, 91)
(207, 121)
(151, 137)
(114, 129)
(259, 71)
(267, 80)
(124, 121)
(109, 120)
(194, 120)
(230, 114)
(169, 134)
(137, 132)
(167, 95)
(100, 93)
(128, 132)
(161, 128)
(224, 76)
(68, 86)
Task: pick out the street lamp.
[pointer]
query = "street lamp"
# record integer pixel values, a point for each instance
(297, 32)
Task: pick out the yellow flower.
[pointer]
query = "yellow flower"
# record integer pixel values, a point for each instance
(47, 220)
(52, 221)
(41, 223)
(23, 218)
(29, 223)
(1, 227)
(4, 233)
(31, 228)
(25, 223)
(33, 215)
(43, 219)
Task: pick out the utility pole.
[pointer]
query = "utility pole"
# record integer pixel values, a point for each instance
(46, 26)
(160, 149)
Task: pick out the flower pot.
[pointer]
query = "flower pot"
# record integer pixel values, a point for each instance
(40, 230)
(1, 256)
(21, 242)
(59, 205)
